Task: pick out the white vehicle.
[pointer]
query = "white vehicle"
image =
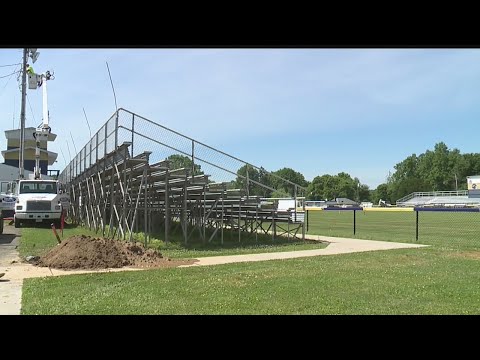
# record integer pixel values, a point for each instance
(38, 201)
(7, 198)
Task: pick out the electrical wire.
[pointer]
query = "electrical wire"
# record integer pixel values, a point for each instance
(10, 65)
(31, 109)
(7, 82)
(4, 76)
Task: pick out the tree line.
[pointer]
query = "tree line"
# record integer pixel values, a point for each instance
(440, 169)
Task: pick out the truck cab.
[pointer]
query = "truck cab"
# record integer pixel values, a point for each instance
(38, 201)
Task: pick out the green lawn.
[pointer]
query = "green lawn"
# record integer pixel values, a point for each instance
(407, 281)
(38, 240)
(450, 229)
(442, 279)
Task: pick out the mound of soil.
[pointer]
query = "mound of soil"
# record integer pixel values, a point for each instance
(86, 252)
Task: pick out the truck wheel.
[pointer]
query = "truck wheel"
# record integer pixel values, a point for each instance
(17, 223)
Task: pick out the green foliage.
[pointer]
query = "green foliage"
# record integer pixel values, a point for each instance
(280, 194)
(180, 161)
(439, 170)
(290, 175)
(262, 177)
(380, 193)
(328, 187)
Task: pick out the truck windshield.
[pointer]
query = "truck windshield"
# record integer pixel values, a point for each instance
(28, 187)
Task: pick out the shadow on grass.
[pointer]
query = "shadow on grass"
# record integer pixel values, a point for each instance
(230, 241)
(195, 243)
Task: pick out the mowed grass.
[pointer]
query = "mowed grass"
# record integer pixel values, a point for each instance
(38, 240)
(459, 230)
(407, 281)
(441, 279)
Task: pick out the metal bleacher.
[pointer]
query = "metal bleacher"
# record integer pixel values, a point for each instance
(437, 198)
(119, 191)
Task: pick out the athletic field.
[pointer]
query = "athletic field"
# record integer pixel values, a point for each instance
(460, 229)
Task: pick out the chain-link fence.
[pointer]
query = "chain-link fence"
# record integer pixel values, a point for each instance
(182, 151)
(454, 228)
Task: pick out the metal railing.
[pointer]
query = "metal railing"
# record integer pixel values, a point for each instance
(146, 135)
(432, 194)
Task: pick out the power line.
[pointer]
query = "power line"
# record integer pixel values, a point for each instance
(111, 82)
(31, 109)
(7, 82)
(4, 76)
(73, 141)
(10, 65)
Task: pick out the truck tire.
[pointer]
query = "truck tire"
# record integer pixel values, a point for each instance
(17, 223)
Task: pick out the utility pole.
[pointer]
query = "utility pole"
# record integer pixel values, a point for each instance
(22, 115)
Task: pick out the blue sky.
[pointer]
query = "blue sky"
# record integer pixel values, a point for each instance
(318, 111)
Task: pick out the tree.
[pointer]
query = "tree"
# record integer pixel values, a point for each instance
(328, 187)
(290, 175)
(381, 192)
(439, 170)
(253, 175)
(180, 161)
(364, 193)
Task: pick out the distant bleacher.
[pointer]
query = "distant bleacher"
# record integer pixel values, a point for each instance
(438, 198)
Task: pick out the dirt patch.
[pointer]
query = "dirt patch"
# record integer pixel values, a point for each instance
(86, 252)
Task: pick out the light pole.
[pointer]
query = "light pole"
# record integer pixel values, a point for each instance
(456, 183)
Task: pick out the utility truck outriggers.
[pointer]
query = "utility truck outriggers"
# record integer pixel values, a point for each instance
(40, 199)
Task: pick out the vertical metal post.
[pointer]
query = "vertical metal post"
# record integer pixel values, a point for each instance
(22, 115)
(306, 212)
(167, 207)
(295, 198)
(239, 211)
(105, 142)
(274, 230)
(112, 198)
(125, 192)
(204, 212)
(96, 146)
(184, 219)
(193, 161)
(223, 194)
(231, 220)
(145, 189)
(416, 226)
(248, 182)
(256, 223)
(133, 132)
(354, 221)
(116, 130)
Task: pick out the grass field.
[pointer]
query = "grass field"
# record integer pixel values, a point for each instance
(38, 240)
(450, 229)
(413, 281)
(441, 279)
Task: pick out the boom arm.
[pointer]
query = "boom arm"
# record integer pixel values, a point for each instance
(42, 132)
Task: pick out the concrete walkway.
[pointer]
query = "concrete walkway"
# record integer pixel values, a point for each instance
(336, 246)
(10, 289)
(16, 272)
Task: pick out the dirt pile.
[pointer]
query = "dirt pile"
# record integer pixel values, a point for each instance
(86, 252)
